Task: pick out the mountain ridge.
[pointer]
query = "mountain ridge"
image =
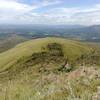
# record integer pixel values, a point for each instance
(27, 48)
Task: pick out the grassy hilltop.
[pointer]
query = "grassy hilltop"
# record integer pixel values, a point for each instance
(49, 69)
(71, 49)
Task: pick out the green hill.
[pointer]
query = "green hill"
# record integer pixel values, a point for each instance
(46, 69)
(72, 50)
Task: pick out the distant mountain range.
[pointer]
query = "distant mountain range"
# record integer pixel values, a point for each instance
(70, 31)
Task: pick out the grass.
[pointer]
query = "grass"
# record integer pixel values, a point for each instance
(71, 49)
(30, 71)
(49, 87)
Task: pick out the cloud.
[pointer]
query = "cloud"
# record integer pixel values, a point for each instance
(14, 11)
(14, 6)
(75, 15)
(50, 2)
(11, 10)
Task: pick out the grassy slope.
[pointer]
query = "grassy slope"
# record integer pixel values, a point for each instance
(10, 41)
(72, 50)
(31, 84)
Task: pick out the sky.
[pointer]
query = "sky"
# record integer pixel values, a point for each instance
(53, 12)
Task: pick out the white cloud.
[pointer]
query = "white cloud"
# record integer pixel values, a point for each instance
(50, 2)
(75, 15)
(11, 6)
(12, 11)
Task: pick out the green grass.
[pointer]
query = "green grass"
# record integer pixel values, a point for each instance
(49, 87)
(72, 50)
(30, 71)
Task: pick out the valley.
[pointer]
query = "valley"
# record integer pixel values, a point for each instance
(7, 41)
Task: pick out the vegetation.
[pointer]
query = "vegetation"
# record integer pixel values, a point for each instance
(49, 69)
(71, 49)
(7, 42)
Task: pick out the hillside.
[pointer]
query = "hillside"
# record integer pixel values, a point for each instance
(72, 50)
(89, 33)
(49, 69)
(8, 41)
